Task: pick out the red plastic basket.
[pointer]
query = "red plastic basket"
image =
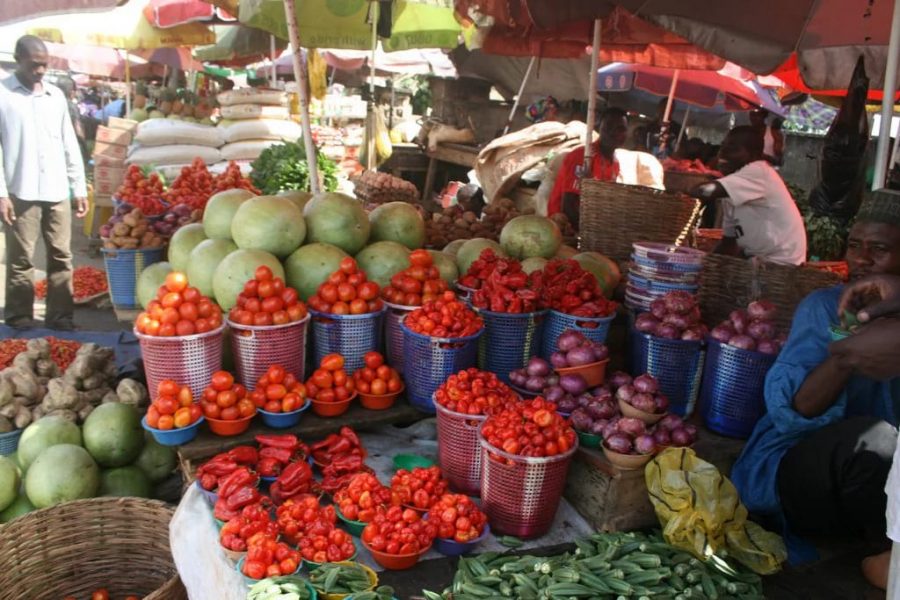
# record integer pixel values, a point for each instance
(459, 452)
(255, 349)
(521, 494)
(189, 360)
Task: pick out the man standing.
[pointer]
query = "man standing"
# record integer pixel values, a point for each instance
(40, 169)
(773, 138)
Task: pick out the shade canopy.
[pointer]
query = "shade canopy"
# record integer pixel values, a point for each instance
(12, 11)
(172, 13)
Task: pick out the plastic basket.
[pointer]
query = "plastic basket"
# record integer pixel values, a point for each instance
(676, 364)
(189, 360)
(509, 340)
(521, 494)
(595, 329)
(464, 293)
(731, 398)
(123, 267)
(459, 451)
(9, 442)
(255, 349)
(431, 361)
(351, 336)
(393, 335)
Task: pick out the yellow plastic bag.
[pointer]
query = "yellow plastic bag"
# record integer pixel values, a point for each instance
(700, 512)
(376, 134)
(317, 71)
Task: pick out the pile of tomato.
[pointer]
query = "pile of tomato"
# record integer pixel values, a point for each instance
(347, 291)
(399, 531)
(376, 377)
(474, 392)
(236, 534)
(420, 488)
(569, 289)
(359, 499)
(419, 283)
(102, 594)
(278, 391)
(173, 407)
(313, 527)
(193, 186)
(268, 558)
(142, 192)
(87, 282)
(330, 383)
(480, 269)
(509, 289)
(226, 400)
(458, 518)
(529, 428)
(446, 317)
(265, 300)
(178, 310)
(231, 178)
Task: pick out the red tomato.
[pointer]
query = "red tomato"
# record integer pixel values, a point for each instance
(185, 327)
(176, 281)
(340, 308)
(296, 312)
(102, 593)
(263, 273)
(368, 291)
(272, 304)
(332, 362)
(191, 294)
(226, 399)
(221, 381)
(329, 293)
(230, 414)
(290, 297)
(348, 266)
(262, 319)
(266, 289)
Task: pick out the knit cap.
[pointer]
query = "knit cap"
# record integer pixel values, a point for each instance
(880, 206)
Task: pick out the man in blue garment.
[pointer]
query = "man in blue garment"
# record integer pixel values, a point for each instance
(818, 460)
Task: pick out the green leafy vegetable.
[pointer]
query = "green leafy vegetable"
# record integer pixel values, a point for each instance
(284, 167)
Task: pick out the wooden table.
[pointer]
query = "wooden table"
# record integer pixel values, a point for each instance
(457, 154)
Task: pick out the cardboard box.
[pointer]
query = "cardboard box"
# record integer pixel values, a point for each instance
(109, 135)
(102, 200)
(105, 161)
(106, 188)
(115, 174)
(111, 151)
(123, 124)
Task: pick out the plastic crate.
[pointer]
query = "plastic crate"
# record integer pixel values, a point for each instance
(595, 329)
(123, 267)
(189, 360)
(731, 397)
(351, 336)
(9, 442)
(393, 335)
(520, 494)
(255, 349)
(509, 340)
(676, 364)
(459, 450)
(430, 361)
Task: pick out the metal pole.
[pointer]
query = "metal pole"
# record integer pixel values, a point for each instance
(887, 102)
(371, 161)
(667, 115)
(592, 100)
(687, 113)
(127, 84)
(302, 80)
(272, 50)
(515, 106)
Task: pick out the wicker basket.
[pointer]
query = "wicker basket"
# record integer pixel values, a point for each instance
(706, 239)
(614, 216)
(678, 181)
(74, 548)
(729, 283)
(838, 267)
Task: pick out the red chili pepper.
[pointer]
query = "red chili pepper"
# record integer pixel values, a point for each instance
(241, 497)
(245, 455)
(239, 478)
(288, 441)
(282, 455)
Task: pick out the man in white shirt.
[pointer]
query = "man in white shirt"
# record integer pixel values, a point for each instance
(40, 170)
(760, 216)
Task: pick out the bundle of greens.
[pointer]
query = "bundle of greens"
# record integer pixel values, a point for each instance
(284, 167)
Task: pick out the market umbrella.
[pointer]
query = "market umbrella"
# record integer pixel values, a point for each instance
(20, 10)
(238, 44)
(172, 13)
(406, 62)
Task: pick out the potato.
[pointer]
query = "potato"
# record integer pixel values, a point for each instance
(23, 418)
(139, 230)
(5, 425)
(93, 382)
(46, 368)
(25, 382)
(132, 392)
(120, 230)
(9, 410)
(7, 391)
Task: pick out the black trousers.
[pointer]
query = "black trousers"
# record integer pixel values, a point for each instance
(832, 483)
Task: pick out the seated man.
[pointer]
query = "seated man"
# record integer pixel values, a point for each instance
(818, 460)
(760, 216)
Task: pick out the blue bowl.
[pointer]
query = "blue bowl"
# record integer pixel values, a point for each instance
(448, 547)
(174, 437)
(283, 420)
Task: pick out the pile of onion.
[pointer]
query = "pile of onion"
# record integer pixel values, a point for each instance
(573, 349)
(643, 394)
(751, 329)
(593, 412)
(675, 316)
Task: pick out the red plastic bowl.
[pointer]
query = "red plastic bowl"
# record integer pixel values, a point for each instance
(395, 562)
(226, 428)
(379, 401)
(331, 409)
(594, 373)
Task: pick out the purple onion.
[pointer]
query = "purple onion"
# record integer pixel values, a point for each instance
(566, 404)
(679, 321)
(554, 393)
(679, 302)
(568, 340)
(573, 383)
(694, 317)
(601, 352)
(662, 436)
(646, 383)
(552, 379)
(744, 342)
(631, 426)
(583, 355)
(518, 377)
(618, 379)
(692, 431)
(723, 332)
(693, 334)
(761, 330)
(603, 409)
(602, 391)
(739, 320)
(581, 400)
(646, 323)
(658, 308)
(670, 422)
(645, 444)
(537, 366)
(598, 426)
(626, 392)
(662, 403)
(668, 331)
(558, 360)
(644, 402)
(618, 443)
(768, 347)
(535, 384)
(680, 437)
(611, 427)
(762, 309)
(581, 420)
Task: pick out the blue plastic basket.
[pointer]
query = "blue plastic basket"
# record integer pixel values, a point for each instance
(393, 335)
(283, 420)
(123, 267)
(430, 361)
(9, 442)
(509, 340)
(351, 336)
(676, 364)
(464, 293)
(655, 286)
(731, 398)
(595, 329)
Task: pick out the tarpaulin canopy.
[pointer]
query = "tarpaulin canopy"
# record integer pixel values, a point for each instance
(406, 62)
(20, 10)
(239, 45)
(172, 13)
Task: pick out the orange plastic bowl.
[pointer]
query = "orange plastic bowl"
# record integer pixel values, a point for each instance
(235, 427)
(396, 562)
(379, 402)
(630, 411)
(594, 373)
(331, 409)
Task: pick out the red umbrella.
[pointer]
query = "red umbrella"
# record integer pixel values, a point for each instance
(172, 13)
(20, 10)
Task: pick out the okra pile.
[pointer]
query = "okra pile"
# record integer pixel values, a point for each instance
(334, 578)
(288, 587)
(605, 566)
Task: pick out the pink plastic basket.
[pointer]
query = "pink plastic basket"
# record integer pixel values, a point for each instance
(393, 335)
(521, 498)
(188, 360)
(255, 349)
(459, 452)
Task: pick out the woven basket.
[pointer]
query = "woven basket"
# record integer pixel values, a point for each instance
(729, 283)
(677, 181)
(74, 548)
(614, 216)
(838, 267)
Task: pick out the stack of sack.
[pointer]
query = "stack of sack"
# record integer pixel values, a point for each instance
(171, 144)
(252, 120)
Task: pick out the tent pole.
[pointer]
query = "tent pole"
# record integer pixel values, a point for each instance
(515, 106)
(887, 102)
(687, 114)
(272, 57)
(371, 159)
(592, 100)
(127, 84)
(667, 115)
(300, 76)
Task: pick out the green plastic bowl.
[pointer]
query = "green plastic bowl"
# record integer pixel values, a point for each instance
(411, 461)
(589, 440)
(354, 528)
(838, 334)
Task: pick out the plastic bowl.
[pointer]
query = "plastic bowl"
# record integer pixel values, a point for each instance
(630, 411)
(354, 528)
(588, 440)
(210, 497)
(250, 581)
(379, 401)
(449, 547)
(284, 419)
(411, 461)
(594, 373)
(331, 409)
(174, 437)
(312, 566)
(838, 334)
(626, 462)
(234, 556)
(372, 575)
(226, 428)
(396, 562)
